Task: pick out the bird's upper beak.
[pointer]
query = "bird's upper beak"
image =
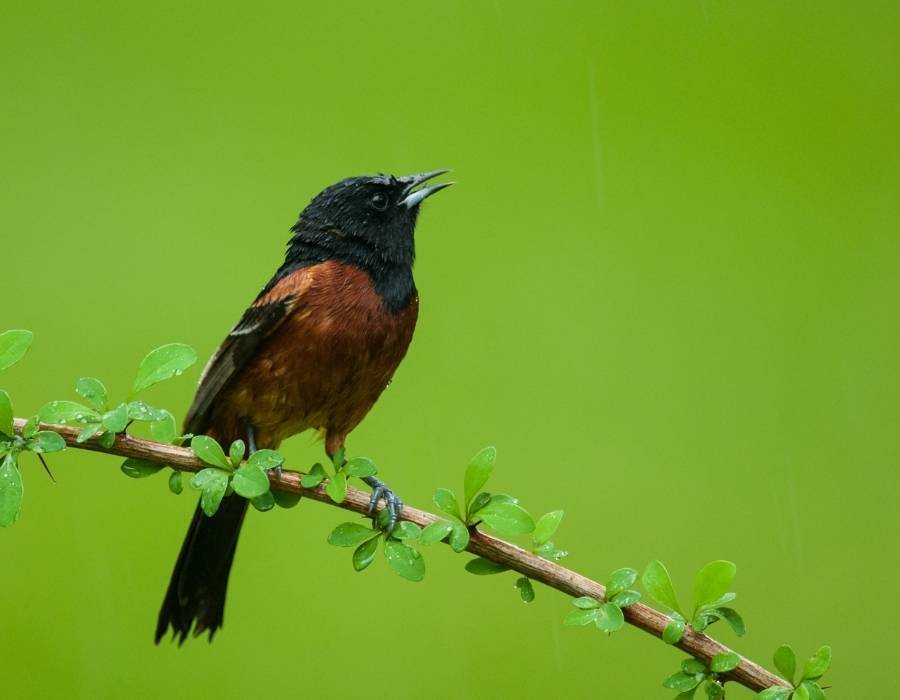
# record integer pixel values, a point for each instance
(410, 196)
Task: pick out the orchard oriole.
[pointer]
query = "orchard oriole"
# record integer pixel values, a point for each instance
(314, 350)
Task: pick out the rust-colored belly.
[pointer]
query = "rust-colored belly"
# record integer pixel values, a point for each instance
(324, 367)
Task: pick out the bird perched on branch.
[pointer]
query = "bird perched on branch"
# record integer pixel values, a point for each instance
(314, 350)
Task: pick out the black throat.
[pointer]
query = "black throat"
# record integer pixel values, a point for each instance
(389, 267)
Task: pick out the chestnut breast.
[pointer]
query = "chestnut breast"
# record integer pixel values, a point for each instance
(326, 364)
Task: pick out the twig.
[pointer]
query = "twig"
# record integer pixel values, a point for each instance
(748, 673)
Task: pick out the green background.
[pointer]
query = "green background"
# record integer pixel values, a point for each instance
(666, 287)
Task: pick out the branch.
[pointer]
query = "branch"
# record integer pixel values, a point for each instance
(748, 673)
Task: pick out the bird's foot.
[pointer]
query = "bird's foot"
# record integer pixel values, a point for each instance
(393, 504)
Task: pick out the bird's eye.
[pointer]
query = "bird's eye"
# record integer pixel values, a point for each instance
(379, 201)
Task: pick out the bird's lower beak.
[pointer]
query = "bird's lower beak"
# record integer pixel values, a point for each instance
(411, 196)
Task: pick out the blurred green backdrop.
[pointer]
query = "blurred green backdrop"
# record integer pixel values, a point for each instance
(666, 287)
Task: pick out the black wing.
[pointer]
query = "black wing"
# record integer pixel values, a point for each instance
(257, 324)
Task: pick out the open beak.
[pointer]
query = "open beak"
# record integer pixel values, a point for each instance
(410, 196)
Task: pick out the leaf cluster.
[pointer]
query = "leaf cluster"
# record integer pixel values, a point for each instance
(806, 687)
(13, 346)
(336, 484)
(403, 559)
(102, 421)
(694, 674)
(711, 598)
(606, 615)
(232, 474)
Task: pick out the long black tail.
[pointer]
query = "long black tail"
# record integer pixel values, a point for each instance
(196, 595)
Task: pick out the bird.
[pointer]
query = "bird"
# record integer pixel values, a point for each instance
(314, 350)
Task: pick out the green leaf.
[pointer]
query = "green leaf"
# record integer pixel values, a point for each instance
(116, 419)
(383, 519)
(582, 617)
(526, 590)
(724, 662)
(701, 622)
(682, 681)
(786, 662)
(484, 567)
(338, 460)
(502, 498)
(46, 441)
(435, 532)
(585, 602)
(107, 440)
(204, 477)
(175, 482)
(713, 581)
(459, 537)
(546, 526)
(714, 689)
(351, 534)
(801, 693)
(11, 490)
(659, 585)
(626, 598)
(687, 695)
(236, 453)
(140, 468)
(673, 632)
(446, 501)
(163, 363)
(727, 598)
(336, 488)
(310, 481)
(6, 414)
(164, 429)
(269, 459)
(365, 554)
(610, 619)
(731, 616)
(360, 467)
(776, 692)
(31, 427)
(479, 502)
(264, 502)
(548, 550)
(478, 472)
(89, 431)
(404, 560)
(285, 499)
(817, 665)
(93, 392)
(213, 483)
(67, 411)
(250, 482)
(507, 518)
(619, 580)
(406, 530)
(141, 410)
(210, 451)
(13, 346)
(693, 666)
(315, 476)
(813, 690)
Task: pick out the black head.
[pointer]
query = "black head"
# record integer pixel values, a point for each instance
(368, 221)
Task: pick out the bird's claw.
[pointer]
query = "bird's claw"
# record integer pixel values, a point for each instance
(393, 504)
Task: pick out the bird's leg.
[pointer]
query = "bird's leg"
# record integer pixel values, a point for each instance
(251, 438)
(251, 445)
(392, 502)
(334, 442)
